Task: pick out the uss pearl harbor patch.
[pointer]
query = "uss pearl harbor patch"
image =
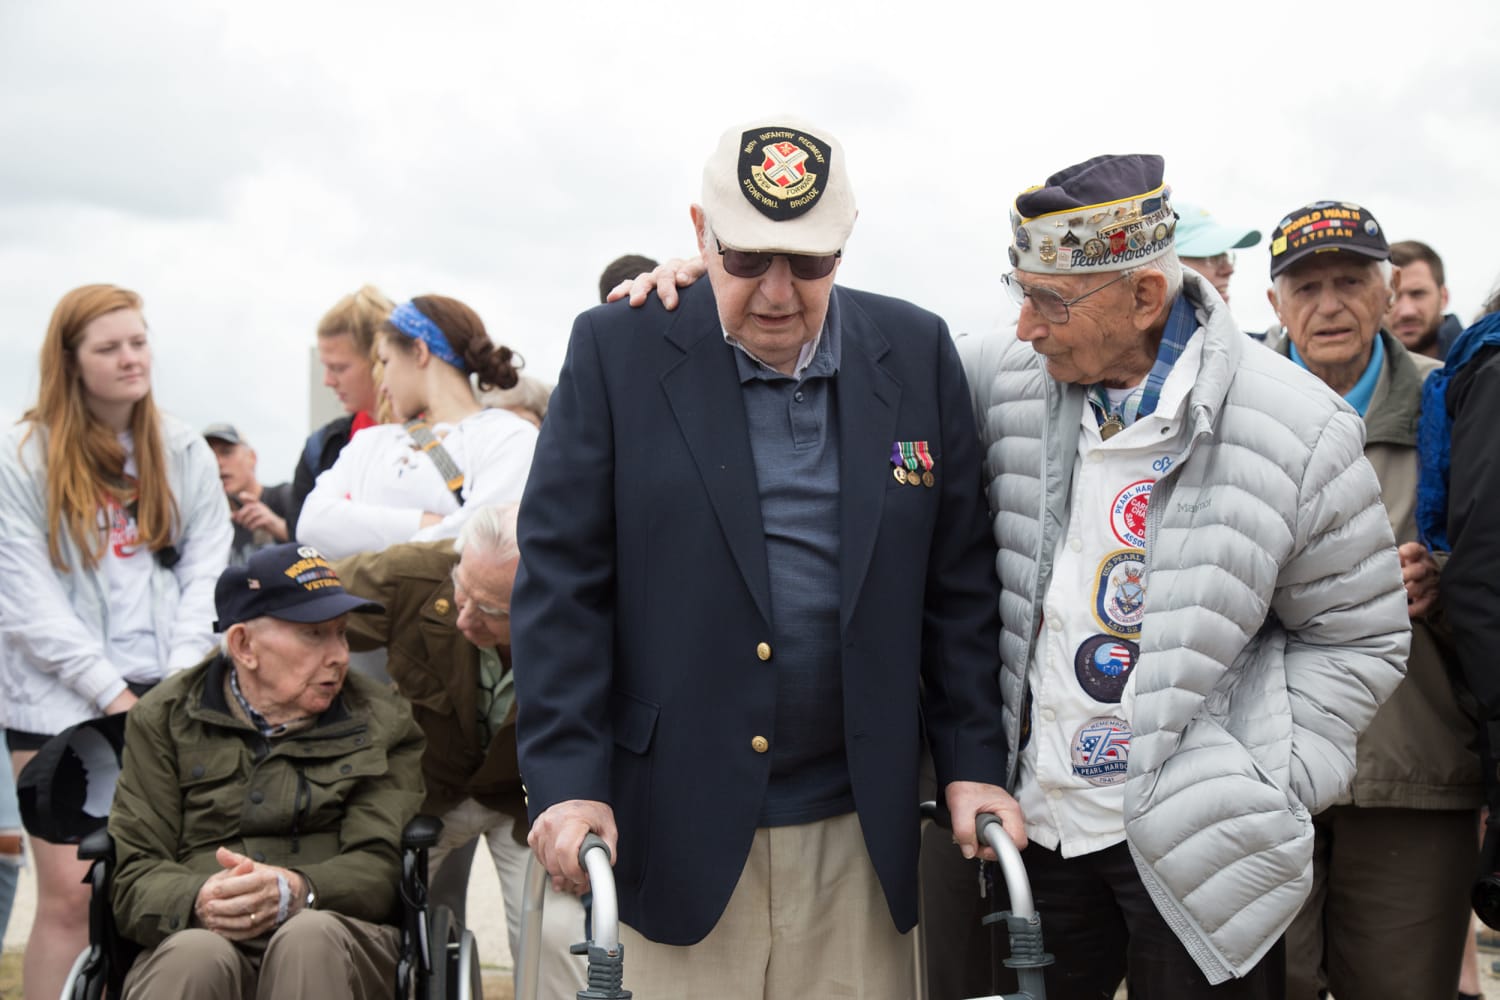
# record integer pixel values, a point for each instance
(1120, 595)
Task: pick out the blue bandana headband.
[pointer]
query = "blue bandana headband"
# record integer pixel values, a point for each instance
(409, 320)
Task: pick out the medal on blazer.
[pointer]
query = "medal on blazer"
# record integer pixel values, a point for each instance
(908, 451)
(925, 457)
(898, 461)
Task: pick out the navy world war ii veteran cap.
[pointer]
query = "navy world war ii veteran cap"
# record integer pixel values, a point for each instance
(291, 582)
(1324, 227)
(779, 184)
(1108, 213)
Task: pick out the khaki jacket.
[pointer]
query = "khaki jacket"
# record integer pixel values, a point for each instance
(329, 801)
(1420, 752)
(437, 669)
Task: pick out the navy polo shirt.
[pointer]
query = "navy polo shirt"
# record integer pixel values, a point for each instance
(795, 443)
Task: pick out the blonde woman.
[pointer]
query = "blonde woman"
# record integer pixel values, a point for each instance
(113, 531)
(346, 350)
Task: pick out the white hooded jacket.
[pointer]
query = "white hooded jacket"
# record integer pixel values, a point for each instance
(54, 627)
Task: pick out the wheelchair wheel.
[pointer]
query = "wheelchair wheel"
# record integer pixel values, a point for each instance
(455, 959)
(469, 982)
(442, 939)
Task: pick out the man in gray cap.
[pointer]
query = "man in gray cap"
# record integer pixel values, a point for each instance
(1202, 600)
(1395, 856)
(259, 512)
(755, 574)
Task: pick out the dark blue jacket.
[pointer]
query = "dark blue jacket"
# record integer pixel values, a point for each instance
(643, 595)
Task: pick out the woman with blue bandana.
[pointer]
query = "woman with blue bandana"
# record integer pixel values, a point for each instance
(416, 480)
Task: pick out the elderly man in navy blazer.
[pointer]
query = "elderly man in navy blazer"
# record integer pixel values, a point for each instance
(756, 573)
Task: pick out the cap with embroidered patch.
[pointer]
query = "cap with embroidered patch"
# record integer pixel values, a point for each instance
(779, 184)
(291, 582)
(1326, 227)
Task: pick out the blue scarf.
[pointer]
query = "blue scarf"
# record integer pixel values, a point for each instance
(1435, 432)
(1182, 323)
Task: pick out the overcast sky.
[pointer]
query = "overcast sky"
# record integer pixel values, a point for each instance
(242, 165)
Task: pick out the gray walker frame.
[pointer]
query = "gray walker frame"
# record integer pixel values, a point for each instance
(606, 955)
(1027, 956)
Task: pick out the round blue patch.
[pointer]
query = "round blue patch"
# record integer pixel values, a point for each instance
(1103, 664)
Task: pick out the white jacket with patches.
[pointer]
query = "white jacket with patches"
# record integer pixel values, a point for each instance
(1275, 619)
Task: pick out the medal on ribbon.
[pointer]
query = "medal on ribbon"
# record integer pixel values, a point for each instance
(925, 457)
(898, 463)
(912, 463)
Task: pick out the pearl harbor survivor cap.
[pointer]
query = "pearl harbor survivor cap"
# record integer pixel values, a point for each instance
(1109, 213)
(779, 185)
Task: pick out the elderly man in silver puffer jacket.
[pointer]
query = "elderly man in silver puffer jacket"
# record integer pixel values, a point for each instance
(1249, 605)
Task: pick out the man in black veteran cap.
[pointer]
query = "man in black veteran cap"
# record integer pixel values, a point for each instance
(258, 814)
(754, 565)
(1401, 841)
(1202, 605)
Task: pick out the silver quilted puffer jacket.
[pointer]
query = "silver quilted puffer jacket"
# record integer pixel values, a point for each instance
(1275, 619)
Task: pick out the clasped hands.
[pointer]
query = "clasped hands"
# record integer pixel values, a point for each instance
(244, 899)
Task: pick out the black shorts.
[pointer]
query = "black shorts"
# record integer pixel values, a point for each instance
(18, 740)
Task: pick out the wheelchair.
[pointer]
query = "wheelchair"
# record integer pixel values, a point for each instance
(437, 959)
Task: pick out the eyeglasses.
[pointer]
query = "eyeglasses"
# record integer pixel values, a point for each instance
(752, 264)
(1217, 261)
(461, 598)
(1052, 306)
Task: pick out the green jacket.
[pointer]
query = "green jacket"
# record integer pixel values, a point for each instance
(1419, 752)
(437, 669)
(329, 802)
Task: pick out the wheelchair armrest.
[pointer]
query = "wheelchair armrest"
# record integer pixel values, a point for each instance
(422, 831)
(96, 845)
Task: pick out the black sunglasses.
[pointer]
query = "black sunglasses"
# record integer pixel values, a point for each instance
(748, 264)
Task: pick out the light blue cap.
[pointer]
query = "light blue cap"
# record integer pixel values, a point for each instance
(1199, 234)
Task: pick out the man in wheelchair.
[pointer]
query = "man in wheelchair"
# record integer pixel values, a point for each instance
(261, 800)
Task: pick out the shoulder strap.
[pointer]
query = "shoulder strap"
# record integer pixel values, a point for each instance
(447, 468)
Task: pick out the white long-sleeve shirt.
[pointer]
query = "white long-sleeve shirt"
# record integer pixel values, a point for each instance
(374, 496)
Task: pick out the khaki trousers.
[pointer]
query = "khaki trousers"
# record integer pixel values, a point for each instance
(561, 974)
(807, 919)
(1389, 907)
(316, 954)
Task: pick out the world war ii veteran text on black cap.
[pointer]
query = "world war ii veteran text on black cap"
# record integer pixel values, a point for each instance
(291, 582)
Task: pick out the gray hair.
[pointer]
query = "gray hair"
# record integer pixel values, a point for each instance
(1171, 267)
(528, 394)
(491, 530)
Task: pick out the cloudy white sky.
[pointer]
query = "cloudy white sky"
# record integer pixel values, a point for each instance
(242, 165)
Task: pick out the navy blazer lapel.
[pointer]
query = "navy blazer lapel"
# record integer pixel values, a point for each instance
(869, 398)
(703, 390)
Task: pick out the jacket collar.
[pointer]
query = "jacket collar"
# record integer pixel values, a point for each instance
(1391, 418)
(701, 383)
(212, 697)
